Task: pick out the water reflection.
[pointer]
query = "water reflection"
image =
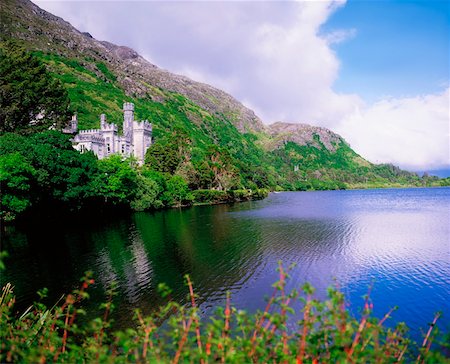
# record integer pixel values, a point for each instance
(396, 238)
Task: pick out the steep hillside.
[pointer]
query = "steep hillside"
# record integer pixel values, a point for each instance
(218, 129)
(40, 30)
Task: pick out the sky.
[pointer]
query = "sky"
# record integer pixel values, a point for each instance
(376, 72)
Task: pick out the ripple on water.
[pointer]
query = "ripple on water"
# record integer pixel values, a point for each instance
(397, 239)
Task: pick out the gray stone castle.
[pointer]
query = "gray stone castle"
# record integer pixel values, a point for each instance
(134, 141)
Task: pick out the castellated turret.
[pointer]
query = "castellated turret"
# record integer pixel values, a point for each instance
(102, 121)
(128, 117)
(136, 138)
(142, 138)
(109, 133)
(72, 126)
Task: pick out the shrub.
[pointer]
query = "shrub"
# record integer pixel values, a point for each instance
(260, 193)
(211, 196)
(242, 195)
(325, 333)
(177, 192)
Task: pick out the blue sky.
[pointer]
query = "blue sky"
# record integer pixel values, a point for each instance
(401, 48)
(376, 72)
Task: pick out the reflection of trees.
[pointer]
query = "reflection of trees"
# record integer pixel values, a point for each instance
(141, 251)
(218, 250)
(220, 247)
(42, 256)
(214, 248)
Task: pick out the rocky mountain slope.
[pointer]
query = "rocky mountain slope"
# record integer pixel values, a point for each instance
(303, 134)
(99, 76)
(21, 19)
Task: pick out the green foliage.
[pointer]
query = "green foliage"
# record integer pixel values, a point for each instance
(444, 182)
(31, 99)
(117, 181)
(242, 195)
(211, 196)
(325, 333)
(106, 72)
(147, 194)
(43, 170)
(221, 163)
(206, 149)
(217, 196)
(63, 174)
(167, 153)
(260, 193)
(177, 192)
(245, 195)
(3, 255)
(16, 176)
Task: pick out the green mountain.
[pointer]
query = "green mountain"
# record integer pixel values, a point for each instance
(219, 143)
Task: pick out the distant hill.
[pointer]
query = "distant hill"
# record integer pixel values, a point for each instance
(100, 76)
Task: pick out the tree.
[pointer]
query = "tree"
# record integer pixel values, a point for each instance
(53, 172)
(31, 100)
(16, 178)
(169, 152)
(162, 157)
(177, 191)
(205, 174)
(116, 181)
(147, 195)
(222, 166)
(62, 173)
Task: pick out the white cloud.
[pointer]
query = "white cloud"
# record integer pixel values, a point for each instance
(267, 53)
(339, 36)
(411, 132)
(273, 57)
(296, 69)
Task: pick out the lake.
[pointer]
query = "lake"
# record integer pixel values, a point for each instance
(396, 240)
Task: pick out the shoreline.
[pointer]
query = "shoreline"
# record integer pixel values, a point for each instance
(106, 211)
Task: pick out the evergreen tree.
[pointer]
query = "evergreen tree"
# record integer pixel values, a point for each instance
(31, 100)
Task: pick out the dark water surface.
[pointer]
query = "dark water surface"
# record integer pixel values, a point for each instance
(397, 239)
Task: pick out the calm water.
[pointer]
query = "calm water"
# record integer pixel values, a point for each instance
(398, 240)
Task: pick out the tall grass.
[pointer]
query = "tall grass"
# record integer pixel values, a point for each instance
(326, 332)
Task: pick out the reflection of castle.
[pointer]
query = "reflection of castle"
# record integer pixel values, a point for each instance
(136, 138)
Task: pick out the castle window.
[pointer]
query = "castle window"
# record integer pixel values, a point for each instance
(123, 148)
(108, 148)
(82, 148)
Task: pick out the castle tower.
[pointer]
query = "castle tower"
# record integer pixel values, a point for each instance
(72, 125)
(102, 121)
(136, 138)
(109, 133)
(128, 118)
(142, 139)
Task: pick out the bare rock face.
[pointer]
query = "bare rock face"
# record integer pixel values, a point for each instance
(40, 30)
(303, 134)
(125, 53)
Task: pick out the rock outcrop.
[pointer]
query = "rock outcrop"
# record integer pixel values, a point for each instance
(303, 134)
